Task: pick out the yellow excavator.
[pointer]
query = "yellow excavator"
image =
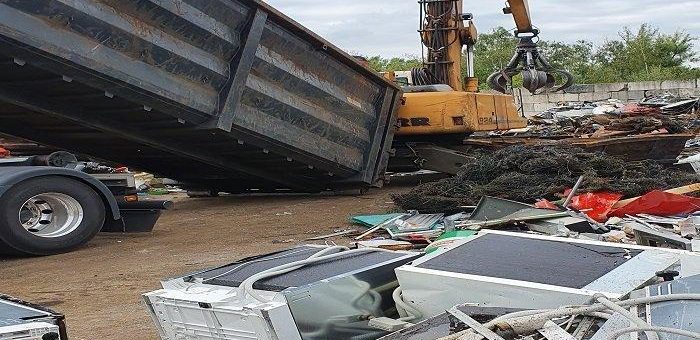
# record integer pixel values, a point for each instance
(440, 106)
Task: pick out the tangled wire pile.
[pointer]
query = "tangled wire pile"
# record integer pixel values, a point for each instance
(527, 173)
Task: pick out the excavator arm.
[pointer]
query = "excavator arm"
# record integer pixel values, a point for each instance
(443, 35)
(521, 14)
(446, 30)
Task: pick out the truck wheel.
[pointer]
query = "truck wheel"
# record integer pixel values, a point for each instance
(48, 215)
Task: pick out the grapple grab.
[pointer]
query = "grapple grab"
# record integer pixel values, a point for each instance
(538, 74)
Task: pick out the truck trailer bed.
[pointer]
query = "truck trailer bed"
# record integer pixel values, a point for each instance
(228, 95)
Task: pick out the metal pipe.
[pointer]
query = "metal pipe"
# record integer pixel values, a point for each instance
(529, 321)
(573, 192)
(470, 60)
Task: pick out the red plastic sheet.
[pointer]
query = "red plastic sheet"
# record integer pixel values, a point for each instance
(4, 153)
(596, 205)
(660, 203)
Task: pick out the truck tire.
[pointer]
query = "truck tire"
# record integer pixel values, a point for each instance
(49, 215)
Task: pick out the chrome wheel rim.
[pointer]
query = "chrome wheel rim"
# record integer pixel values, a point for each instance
(51, 215)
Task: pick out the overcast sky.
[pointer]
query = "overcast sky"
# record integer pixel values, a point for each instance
(388, 27)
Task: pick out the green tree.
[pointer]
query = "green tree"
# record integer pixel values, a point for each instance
(406, 63)
(576, 58)
(646, 54)
(492, 52)
(641, 54)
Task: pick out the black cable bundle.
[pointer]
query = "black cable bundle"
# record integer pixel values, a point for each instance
(527, 173)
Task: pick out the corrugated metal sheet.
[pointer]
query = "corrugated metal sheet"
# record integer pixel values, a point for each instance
(218, 93)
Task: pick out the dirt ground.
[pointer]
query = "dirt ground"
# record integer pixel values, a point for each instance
(99, 287)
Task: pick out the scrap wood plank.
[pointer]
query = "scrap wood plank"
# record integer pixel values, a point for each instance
(678, 191)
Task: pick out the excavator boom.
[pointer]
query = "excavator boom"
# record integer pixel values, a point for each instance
(521, 14)
(441, 34)
(445, 32)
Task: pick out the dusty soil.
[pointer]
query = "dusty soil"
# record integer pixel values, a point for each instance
(98, 287)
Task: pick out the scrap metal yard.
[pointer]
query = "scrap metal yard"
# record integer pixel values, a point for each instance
(217, 170)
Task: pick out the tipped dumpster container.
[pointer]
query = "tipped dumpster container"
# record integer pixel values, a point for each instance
(222, 95)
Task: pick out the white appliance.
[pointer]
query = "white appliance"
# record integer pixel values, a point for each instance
(30, 331)
(22, 322)
(525, 271)
(326, 300)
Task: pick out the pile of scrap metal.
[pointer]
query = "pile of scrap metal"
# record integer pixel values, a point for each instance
(654, 115)
(21, 320)
(601, 216)
(413, 230)
(659, 219)
(522, 189)
(656, 231)
(692, 148)
(496, 213)
(690, 156)
(411, 227)
(633, 131)
(666, 310)
(495, 285)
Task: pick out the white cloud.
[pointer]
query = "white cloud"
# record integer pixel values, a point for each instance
(388, 27)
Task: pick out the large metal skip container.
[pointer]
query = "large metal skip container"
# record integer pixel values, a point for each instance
(219, 94)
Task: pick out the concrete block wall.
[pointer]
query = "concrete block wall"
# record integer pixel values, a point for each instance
(626, 92)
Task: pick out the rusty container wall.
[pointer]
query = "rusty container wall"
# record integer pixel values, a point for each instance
(223, 94)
